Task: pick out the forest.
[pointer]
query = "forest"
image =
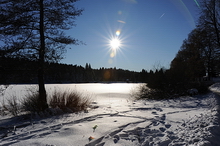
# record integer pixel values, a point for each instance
(18, 70)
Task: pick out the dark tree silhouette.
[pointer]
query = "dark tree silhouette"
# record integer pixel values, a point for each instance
(210, 19)
(34, 29)
(202, 47)
(189, 62)
(209, 22)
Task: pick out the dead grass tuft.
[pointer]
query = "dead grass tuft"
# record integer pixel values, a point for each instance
(144, 92)
(69, 101)
(31, 102)
(11, 106)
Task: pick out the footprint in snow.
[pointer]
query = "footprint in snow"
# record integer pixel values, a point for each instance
(43, 122)
(116, 138)
(167, 125)
(162, 129)
(155, 113)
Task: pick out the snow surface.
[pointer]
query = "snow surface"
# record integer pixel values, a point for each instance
(118, 120)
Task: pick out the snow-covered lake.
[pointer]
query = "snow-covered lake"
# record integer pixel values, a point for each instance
(94, 90)
(120, 121)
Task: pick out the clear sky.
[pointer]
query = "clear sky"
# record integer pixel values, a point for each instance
(150, 32)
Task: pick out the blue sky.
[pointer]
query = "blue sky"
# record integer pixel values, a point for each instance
(151, 32)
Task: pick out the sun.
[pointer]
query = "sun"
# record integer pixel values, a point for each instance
(115, 43)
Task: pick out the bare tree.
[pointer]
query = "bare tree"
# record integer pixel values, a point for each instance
(35, 29)
(210, 19)
(209, 24)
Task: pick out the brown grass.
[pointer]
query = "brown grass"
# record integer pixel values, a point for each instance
(69, 101)
(143, 92)
(31, 102)
(11, 105)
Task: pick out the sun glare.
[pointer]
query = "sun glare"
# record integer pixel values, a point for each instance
(115, 43)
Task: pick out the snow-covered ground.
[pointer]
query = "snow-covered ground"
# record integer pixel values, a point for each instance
(117, 120)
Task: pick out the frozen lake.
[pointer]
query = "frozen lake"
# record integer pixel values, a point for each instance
(95, 90)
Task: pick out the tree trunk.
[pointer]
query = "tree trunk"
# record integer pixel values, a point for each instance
(42, 90)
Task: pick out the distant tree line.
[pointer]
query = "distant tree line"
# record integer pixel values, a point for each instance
(20, 70)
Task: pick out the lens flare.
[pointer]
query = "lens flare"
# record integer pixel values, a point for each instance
(118, 32)
(110, 61)
(119, 12)
(120, 21)
(197, 3)
(112, 54)
(185, 11)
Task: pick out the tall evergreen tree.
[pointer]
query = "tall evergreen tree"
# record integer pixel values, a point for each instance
(35, 29)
